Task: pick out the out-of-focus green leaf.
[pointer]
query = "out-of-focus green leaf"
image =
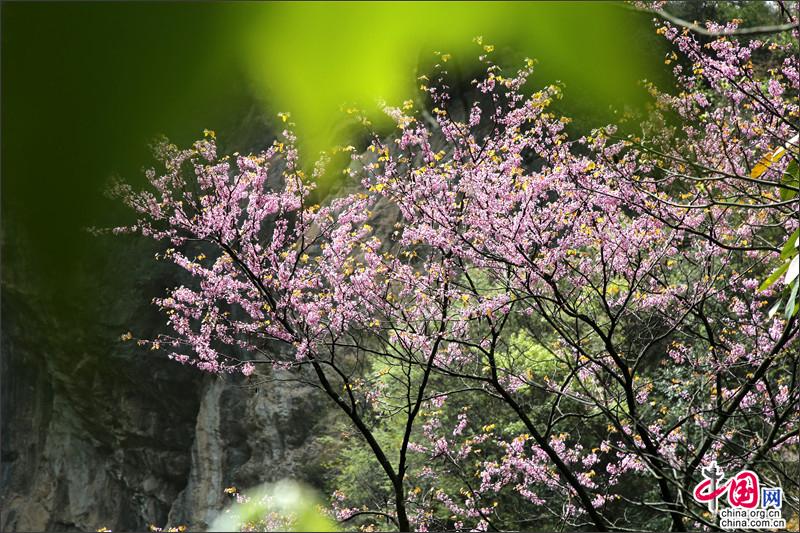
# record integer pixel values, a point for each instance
(790, 307)
(311, 58)
(791, 178)
(774, 276)
(285, 506)
(792, 245)
(793, 270)
(774, 308)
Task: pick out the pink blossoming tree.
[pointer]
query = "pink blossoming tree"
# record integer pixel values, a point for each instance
(603, 293)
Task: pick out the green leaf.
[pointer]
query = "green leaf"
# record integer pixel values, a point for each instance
(792, 245)
(790, 304)
(285, 504)
(793, 271)
(774, 308)
(774, 276)
(792, 173)
(791, 178)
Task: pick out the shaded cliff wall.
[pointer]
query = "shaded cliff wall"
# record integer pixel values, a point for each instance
(101, 433)
(97, 432)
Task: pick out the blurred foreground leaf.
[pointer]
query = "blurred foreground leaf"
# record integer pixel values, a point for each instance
(282, 506)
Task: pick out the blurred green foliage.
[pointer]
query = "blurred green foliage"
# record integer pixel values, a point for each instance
(282, 506)
(86, 86)
(312, 57)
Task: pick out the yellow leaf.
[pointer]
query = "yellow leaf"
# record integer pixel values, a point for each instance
(766, 162)
(772, 158)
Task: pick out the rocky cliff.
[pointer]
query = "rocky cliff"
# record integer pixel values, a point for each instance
(101, 433)
(97, 432)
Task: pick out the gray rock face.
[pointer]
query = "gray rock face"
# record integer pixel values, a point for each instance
(101, 433)
(245, 437)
